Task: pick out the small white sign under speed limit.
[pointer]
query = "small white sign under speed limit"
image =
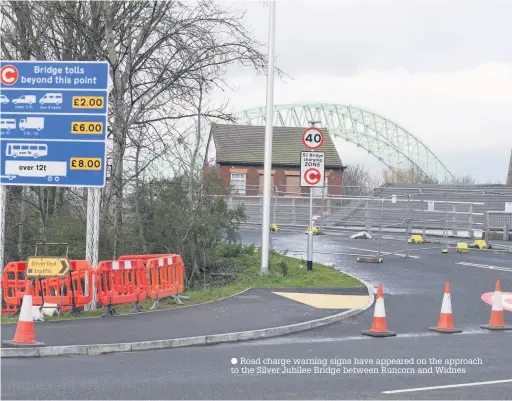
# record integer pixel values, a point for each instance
(312, 169)
(312, 138)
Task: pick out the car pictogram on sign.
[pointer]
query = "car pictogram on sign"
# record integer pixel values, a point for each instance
(312, 138)
(8, 75)
(312, 176)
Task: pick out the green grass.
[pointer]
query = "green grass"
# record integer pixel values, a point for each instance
(246, 263)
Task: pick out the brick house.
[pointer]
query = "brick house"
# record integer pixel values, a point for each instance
(237, 153)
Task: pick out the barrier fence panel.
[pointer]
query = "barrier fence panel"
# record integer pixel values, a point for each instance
(499, 222)
(120, 282)
(176, 259)
(165, 277)
(131, 279)
(68, 293)
(13, 282)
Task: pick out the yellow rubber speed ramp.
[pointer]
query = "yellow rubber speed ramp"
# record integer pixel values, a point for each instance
(327, 301)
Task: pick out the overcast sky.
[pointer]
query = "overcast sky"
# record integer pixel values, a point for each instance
(440, 69)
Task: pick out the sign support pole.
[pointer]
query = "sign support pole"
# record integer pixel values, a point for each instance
(92, 238)
(310, 231)
(3, 204)
(269, 122)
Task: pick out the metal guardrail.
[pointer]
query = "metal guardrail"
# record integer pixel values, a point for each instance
(424, 213)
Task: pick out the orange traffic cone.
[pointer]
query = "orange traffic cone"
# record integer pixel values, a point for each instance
(379, 327)
(445, 324)
(25, 335)
(497, 321)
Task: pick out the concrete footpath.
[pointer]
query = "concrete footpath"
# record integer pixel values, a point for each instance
(254, 313)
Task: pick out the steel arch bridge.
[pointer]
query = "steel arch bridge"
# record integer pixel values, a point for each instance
(387, 141)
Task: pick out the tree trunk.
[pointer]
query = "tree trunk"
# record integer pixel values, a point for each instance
(137, 204)
(21, 226)
(191, 178)
(118, 131)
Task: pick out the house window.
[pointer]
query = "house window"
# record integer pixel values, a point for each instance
(260, 188)
(238, 183)
(293, 185)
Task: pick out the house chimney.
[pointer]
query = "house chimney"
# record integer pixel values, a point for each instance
(509, 178)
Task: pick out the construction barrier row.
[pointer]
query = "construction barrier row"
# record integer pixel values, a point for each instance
(131, 279)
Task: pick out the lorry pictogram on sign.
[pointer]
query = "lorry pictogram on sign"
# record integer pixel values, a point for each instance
(312, 169)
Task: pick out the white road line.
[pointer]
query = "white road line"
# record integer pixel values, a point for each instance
(505, 269)
(381, 252)
(409, 390)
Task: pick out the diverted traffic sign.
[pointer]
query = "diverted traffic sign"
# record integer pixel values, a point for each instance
(53, 123)
(312, 138)
(47, 266)
(312, 169)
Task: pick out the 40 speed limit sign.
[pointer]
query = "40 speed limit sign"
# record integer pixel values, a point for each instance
(312, 138)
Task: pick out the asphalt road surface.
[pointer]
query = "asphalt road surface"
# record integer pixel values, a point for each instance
(413, 293)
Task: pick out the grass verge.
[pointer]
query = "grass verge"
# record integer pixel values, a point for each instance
(243, 264)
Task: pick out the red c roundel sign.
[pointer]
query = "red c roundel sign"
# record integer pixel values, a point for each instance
(8, 75)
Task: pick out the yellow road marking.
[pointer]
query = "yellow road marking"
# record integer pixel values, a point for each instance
(327, 301)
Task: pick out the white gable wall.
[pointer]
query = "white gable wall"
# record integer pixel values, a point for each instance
(211, 153)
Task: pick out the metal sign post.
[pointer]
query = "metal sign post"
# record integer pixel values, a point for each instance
(54, 127)
(92, 237)
(267, 167)
(312, 173)
(3, 204)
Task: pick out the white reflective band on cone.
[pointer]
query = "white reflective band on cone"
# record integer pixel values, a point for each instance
(26, 309)
(496, 301)
(446, 306)
(380, 311)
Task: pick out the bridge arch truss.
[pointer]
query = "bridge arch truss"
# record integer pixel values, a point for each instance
(387, 141)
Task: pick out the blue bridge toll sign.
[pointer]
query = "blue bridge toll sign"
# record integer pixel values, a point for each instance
(53, 123)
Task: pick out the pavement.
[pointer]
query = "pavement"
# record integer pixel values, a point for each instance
(254, 309)
(413, 290)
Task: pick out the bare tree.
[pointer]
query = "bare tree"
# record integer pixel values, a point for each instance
(163, 47)
(165, 58)
(463, 180)
(357, 180)
(409, 175)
